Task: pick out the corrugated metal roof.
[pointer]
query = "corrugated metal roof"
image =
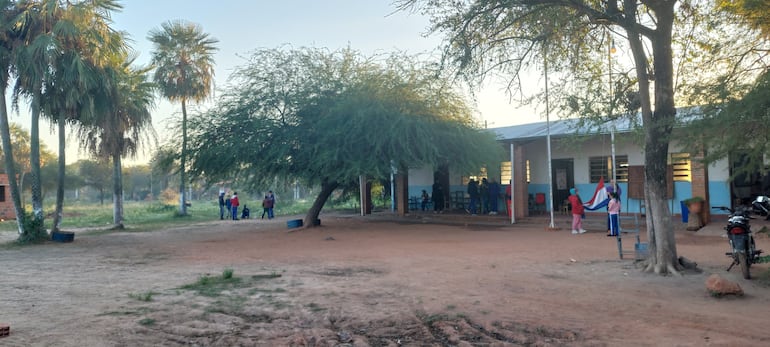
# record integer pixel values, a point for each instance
(571, 127)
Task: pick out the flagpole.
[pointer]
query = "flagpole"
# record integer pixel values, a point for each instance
(614, 176)
(548, 132)
(513, 191)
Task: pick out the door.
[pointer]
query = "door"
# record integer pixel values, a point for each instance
(563, 179)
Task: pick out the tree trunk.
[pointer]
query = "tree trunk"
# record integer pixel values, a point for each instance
(34, 157)
(117, 192)
(5, 136)
(182, 202)
(318, 204)
(57, 217)
(658, 125)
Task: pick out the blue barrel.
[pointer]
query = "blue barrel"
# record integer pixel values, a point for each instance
(294, 223)
(62, 236)
(685, 211)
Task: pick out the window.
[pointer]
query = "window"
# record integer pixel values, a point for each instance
(505, 172)
(600, 167)
(2, 193)
(680, 162)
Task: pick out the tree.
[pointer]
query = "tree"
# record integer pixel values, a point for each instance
(96, 174)
(325, 118)
(508, 37)
(86, 43)
(184, 70)
(32, 55)
(20, 148)
(754, 12)
(122, 127)
(735, 101)
(8, 34)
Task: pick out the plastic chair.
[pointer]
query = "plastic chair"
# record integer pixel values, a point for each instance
(540, 202)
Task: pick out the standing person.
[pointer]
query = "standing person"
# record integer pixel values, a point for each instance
(493, 195)
(508, 198)
(484, 195)
(577, 211)
(234, 205)
(425, 200)
(266, 205)
(613, 188)
(229, 206)
(271, 196)
(613, 210)
(473, 191)
(437, 194)
(222, 204)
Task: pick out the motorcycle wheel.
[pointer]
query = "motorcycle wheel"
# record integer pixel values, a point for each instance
(743, 261)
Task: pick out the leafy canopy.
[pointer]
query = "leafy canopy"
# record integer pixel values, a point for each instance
(328, 117)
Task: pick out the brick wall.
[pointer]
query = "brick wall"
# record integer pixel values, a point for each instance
(6, 206)
(700, 183)
(520, 197)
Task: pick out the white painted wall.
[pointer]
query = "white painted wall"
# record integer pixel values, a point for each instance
(421, 177)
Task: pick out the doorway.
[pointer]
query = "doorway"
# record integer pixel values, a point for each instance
(563, 173)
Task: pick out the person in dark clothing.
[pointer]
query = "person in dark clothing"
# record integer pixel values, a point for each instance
(494, 195)
(246, 214)
(425, 199)
(222, 204)
(267, 206)
(437, 195)
(473, 191)
(484, 195)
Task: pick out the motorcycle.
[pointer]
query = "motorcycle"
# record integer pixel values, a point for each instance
(744, 252)
(761, 206)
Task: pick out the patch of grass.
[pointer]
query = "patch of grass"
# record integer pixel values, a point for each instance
(315, 307)
(451, 307)
(213, 286)
(230, 305)
(139, 311)
(147, 322)
(146, 296)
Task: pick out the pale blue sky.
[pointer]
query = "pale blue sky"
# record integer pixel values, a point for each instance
(241, 26)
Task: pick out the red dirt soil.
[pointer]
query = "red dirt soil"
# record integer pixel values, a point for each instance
(420, 280)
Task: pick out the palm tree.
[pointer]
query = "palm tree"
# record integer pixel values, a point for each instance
(31, 61)
(86, 42)
(7, 41)
(184, 70)
(122, 126)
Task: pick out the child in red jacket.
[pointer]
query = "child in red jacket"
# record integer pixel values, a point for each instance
(577, 212)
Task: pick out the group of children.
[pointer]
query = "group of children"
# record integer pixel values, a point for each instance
(231, 205)
(578, 213)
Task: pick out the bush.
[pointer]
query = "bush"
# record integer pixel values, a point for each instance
(34, 230)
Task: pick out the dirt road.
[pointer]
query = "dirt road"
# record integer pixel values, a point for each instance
(370, 282)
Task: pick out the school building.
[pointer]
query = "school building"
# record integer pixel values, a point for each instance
(580, 157)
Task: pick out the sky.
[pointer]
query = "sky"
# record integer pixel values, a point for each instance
(241, 26)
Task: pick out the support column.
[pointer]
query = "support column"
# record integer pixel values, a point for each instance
(519, 196)
(402, 192)
(700, 183)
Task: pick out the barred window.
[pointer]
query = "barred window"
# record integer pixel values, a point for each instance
(680, 162)
(600, 167)
(505, 172)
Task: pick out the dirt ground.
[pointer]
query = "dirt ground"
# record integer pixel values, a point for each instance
(422, 280)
